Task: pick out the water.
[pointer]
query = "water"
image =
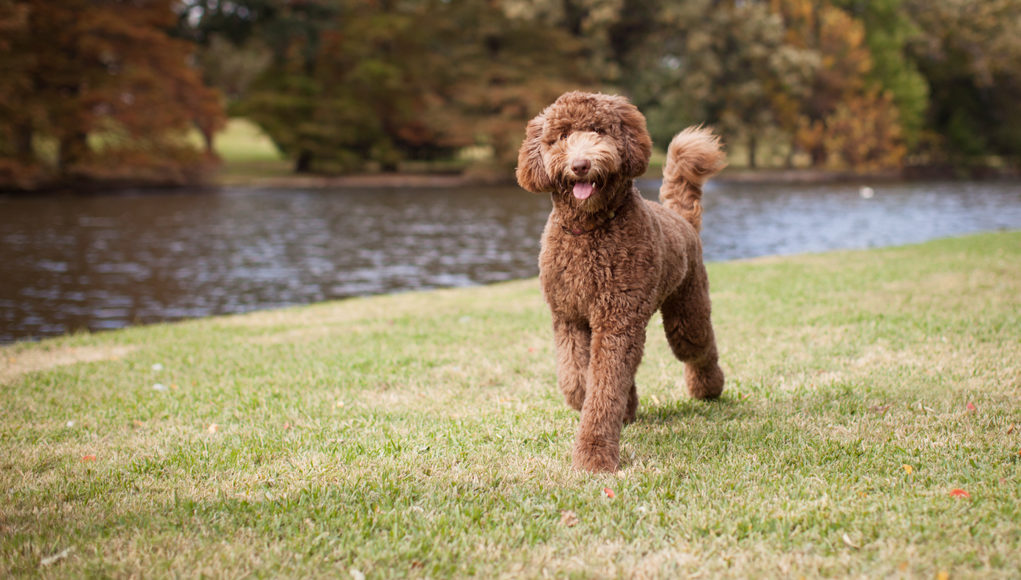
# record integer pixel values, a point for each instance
(107, 261)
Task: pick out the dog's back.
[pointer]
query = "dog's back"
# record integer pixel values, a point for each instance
(693, 157)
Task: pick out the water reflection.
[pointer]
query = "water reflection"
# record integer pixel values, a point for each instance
(107, 261)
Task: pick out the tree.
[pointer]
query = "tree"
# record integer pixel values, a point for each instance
(349, 84)
(890, 30)
(110, 71)
(724, 63)
(970, 54)
(862, 133)
(841, 85)
(360, 85)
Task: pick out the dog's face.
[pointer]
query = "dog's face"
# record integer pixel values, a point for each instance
(584, 144)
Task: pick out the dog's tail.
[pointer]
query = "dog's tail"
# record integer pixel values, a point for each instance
(694, 156)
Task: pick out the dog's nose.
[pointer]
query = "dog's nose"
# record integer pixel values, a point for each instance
(581, 166)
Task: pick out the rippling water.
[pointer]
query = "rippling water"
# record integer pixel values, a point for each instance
(107, 261)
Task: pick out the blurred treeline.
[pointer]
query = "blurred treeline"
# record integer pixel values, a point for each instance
(351, 85)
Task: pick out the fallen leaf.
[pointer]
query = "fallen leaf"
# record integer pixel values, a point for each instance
(943, 575)
(1010, 430)
(959, 493)
(89, 457)
(568, 518)
(213, 427)
(356, 574)
(287, 426)
(907, 468)
(971, 406)
(609, 493)
(850, 544)
(903, 566)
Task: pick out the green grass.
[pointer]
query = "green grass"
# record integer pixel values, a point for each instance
(421, 435)
(247, 153)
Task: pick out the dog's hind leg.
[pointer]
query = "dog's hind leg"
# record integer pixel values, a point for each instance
(573, 339)
(689, 330)
(632, 405)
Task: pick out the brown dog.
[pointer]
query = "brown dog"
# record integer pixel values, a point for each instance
(610, 258)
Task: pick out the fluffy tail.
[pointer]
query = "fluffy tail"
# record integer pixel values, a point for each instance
(694, 156)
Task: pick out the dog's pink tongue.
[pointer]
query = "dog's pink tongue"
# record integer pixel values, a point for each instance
(583, 189)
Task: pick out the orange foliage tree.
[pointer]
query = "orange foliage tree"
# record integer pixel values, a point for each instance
(107, 85)
(844, 120)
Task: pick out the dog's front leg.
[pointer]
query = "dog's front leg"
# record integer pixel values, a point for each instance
(613, 361)
(572, 341)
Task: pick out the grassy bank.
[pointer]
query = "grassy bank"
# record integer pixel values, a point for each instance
(248, 155)
(420, 435)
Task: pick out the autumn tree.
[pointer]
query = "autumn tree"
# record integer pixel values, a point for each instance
(890, 32)
(841, 85)
(106, 82)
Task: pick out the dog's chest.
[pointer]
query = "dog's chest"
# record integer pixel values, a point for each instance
(586, 276)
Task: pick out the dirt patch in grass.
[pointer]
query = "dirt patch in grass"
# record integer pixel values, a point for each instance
(15, 364)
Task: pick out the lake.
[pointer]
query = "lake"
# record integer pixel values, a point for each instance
(107, 261)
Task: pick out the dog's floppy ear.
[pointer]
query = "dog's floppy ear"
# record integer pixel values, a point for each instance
(637, 142)
(531, 171)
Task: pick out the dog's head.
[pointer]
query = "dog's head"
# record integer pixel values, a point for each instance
(584, 143)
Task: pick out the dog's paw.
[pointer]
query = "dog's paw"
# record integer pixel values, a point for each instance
(596, 456)
(705, 382)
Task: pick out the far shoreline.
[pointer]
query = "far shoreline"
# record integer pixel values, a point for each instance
(222, 179)
(470, 179)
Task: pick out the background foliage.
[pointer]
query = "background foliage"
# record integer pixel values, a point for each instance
(352, 85)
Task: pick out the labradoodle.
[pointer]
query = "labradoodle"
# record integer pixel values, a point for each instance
(610, 258)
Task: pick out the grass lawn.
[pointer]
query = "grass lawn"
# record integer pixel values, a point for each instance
(421, 435)
(247, 153)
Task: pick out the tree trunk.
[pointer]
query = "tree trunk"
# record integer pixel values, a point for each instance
(73, 148)
(23, 142)
(303, 164)
(207, 137)
(819, 156)
(753, 152)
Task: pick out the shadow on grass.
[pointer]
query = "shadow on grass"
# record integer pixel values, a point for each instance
(724, 408)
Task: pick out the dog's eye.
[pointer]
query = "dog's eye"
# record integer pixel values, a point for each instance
(562, 136)
(600, 130)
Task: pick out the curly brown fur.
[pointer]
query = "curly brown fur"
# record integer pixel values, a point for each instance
(693, 157)
(610, 259)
